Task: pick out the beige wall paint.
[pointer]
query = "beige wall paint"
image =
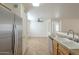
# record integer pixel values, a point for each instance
(72, 24)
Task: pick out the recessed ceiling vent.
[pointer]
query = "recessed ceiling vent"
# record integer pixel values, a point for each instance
(15, 5)
(40, 20)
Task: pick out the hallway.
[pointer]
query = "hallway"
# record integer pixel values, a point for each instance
(37, 46)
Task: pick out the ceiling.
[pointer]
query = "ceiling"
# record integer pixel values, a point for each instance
(53, 10)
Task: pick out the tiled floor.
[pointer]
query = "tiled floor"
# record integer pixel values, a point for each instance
(37, 46)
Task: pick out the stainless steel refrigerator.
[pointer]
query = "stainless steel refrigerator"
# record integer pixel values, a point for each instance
(10, 32)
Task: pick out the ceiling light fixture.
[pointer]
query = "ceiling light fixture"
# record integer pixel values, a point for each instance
(35, 4)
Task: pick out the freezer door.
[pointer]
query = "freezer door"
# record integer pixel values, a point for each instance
(6, 21)
(18, 35)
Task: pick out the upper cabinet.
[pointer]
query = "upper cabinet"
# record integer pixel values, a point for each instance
(9, 5)
(15, 8)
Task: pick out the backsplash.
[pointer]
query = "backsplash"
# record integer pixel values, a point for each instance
(70, 24)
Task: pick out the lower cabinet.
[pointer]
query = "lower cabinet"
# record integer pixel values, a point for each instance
(59, 49)
(60, 52)
(54, 47)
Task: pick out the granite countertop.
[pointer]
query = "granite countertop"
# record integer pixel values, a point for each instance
(71, 45)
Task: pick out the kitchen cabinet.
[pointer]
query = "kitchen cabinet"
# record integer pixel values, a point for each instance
(54, 47)
(15, 10)
(59, 49)
(8, 5)
(62, 50)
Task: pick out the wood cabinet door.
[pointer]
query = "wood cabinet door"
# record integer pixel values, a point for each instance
(59, 49)
(54, 47)
(60, 52)
(63, 50)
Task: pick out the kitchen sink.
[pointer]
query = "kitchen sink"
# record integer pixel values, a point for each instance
(64, 35)
(75, 40)
(69, 43)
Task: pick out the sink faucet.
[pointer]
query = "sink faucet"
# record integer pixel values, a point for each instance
(70, 31)
(77, 35)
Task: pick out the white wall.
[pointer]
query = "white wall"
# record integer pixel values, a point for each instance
(68, 13)
(39, 29)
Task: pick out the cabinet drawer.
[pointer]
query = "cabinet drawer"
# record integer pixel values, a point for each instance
(63, 49)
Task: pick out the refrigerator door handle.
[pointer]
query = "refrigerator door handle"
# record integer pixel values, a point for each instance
(13, 39)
